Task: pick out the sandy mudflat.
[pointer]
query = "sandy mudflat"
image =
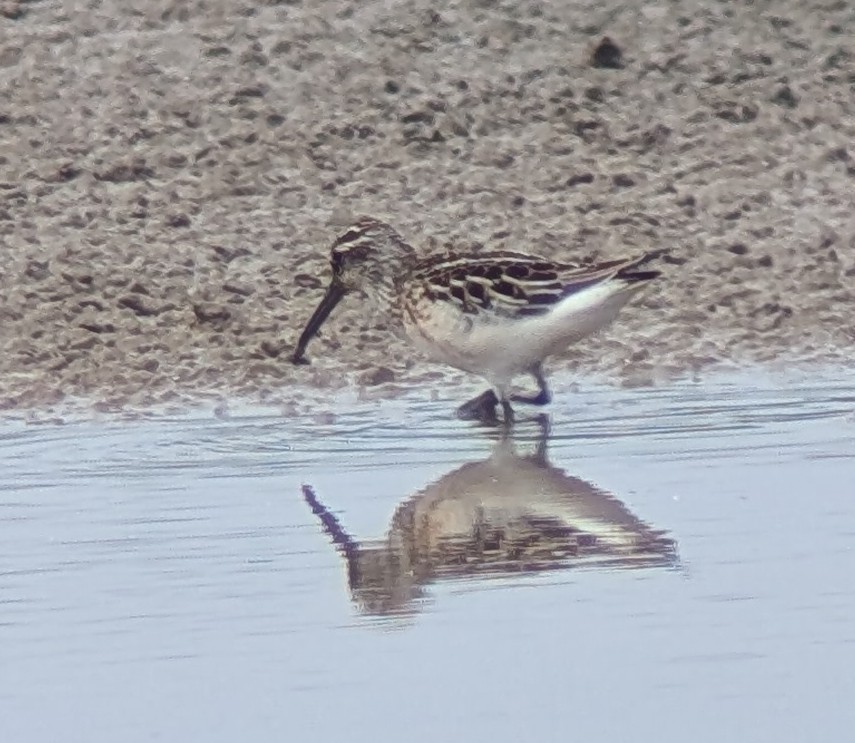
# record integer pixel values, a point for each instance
(172, 174)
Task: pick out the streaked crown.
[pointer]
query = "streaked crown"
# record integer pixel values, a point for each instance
(369, 252)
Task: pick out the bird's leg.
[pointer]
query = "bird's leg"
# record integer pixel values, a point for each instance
(543, 396)
(542, 421)
(481, 408)
(507, 413)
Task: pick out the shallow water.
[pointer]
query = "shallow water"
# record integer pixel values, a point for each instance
(665, 564)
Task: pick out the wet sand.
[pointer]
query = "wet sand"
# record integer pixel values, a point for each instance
(172, 176)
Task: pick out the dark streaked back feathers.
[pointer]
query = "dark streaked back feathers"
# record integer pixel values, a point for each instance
(517, 285)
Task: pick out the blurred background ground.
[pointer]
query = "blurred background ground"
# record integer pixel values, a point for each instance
(172, 174)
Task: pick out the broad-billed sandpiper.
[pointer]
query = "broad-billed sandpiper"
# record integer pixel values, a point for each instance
(509, 515)
(496, 314)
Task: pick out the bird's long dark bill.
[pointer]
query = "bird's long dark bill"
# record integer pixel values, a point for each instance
(335, 292)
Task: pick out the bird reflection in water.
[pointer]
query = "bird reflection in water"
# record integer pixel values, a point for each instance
(507, 515)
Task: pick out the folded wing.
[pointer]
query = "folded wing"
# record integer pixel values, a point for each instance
(514, 285)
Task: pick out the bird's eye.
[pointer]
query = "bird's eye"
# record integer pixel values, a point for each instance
(337, 260)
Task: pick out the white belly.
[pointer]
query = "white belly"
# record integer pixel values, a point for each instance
(500, 348)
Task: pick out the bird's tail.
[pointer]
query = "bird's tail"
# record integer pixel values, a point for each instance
(630, 272)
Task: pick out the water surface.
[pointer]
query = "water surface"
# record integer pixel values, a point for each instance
(663, 564)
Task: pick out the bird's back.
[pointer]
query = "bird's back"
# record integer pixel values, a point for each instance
(500, 312)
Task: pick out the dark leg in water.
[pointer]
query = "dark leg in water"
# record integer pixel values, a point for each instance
(508, 414)
(543, 397)
(542, 421)
(481, 408)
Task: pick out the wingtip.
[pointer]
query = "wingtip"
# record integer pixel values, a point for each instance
(630, 272)
(652, 255)
(638, 277)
